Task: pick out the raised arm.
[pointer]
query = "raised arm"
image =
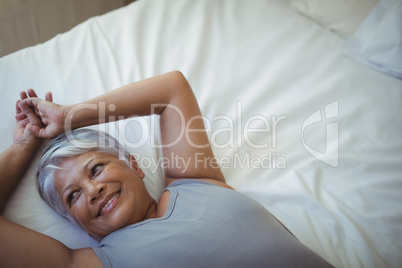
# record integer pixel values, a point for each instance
(15, 160)
(21, 247)
(168, 95)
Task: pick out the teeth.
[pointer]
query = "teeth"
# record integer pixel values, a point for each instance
(110, 201)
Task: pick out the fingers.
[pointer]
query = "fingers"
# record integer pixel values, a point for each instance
(17, 108)
(26, 107)
(35, 130)
(32, 93)
(24, 122)
(23, 95)
(19, 115)
(27, 113)
(49, 96)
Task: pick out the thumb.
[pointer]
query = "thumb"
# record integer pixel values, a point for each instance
(33, 129)
(37, 131)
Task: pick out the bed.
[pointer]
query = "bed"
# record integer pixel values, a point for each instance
(296, 121)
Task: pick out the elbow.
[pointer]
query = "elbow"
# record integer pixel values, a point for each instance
(176, 87)
(178, 74)
(180, 82)
(178, 77)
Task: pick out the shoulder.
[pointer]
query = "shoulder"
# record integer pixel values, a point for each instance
(169, 182)
(164, 200)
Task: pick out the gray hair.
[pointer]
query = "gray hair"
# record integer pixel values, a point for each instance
(70, 144)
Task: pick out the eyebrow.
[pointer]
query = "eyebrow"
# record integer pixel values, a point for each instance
(83, 169)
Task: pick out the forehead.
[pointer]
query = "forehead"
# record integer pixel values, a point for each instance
(79, 161)
(82, 159)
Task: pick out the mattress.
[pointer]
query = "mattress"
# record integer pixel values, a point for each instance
(309, 133)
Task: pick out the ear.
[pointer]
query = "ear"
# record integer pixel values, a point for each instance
(134, 166)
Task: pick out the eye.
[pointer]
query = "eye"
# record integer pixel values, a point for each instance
(95, 169)
(72, 197)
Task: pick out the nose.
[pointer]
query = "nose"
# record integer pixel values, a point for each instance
(94, 190)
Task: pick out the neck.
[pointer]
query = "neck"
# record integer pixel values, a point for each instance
(152, 211)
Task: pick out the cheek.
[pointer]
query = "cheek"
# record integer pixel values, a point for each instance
(80, 210)
(113, 177)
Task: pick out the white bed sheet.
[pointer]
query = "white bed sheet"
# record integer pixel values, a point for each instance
(252, 64)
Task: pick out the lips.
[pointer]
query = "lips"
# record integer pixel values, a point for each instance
(107, 203)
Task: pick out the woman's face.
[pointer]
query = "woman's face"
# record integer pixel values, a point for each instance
(102, 193)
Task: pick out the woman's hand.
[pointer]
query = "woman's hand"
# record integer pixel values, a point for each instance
(22, 135)
(51, 116)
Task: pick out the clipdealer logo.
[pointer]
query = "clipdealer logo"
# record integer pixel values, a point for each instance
(328, 116)
(257, 132)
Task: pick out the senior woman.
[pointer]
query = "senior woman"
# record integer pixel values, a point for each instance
(199, 220)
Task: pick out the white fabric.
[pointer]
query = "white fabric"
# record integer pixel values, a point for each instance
(378, 41)
(329, 163)
(341, 16)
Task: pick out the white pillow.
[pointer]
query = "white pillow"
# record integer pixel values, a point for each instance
(341, 16)
(378, 41)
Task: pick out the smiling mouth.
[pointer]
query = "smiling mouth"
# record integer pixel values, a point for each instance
(105, 205)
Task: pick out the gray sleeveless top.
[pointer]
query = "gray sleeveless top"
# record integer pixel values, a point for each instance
(206, 226)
